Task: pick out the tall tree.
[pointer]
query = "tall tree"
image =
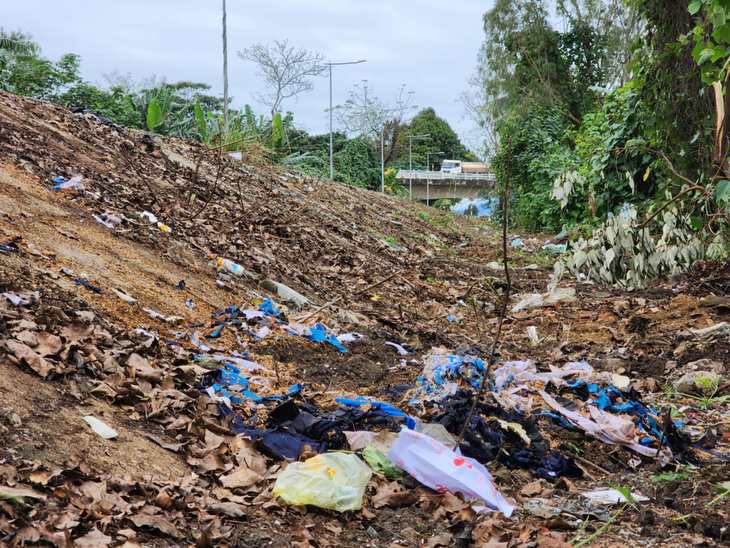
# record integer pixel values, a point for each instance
(363, 114)
(441, 138)
(287, 71)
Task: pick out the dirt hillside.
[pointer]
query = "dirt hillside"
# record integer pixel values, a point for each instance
(106, 313)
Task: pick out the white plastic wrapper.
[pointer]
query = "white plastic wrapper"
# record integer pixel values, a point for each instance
(443, 470)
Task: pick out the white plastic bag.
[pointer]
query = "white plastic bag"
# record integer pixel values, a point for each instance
(438, 467)
(330, 480)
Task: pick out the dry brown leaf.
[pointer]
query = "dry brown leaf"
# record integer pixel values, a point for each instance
(250, 457)
(240, 478)
(444, 539)
(230, 509)
(77, 331)
(174, 447)
(157, 523)
(48, 344)
(24, 353)
(39, 477)
(27, 534)
(93, 539)
(143, 369)
(531, 489)
(394, 495)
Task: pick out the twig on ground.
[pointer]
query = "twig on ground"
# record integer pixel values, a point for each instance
(503, 311)
(338, 299)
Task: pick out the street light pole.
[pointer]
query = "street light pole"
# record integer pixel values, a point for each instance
(330, 66)
(428, 173)
(382, 160)
(225, 72)
(410, 162)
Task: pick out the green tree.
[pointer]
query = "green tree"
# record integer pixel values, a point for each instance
(441, 138)
(25, 72)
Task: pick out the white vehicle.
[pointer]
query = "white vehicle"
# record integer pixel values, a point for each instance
(451, 167)
(454, 167)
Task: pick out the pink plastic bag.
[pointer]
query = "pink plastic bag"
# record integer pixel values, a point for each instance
(438, 467)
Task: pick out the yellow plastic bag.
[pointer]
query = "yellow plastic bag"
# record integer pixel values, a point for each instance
(332, 480)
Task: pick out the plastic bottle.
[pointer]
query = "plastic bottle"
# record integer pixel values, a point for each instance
(230, 266)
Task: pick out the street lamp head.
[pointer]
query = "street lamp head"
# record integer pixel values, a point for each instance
(330, 63)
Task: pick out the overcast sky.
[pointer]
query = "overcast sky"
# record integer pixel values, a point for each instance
(429, 45)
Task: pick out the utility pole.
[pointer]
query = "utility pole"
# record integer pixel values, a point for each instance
(225, 72)
(410, 162)
(428, 174)
(382, 160)
(330, 66)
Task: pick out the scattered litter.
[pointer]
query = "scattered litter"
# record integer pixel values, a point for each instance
(74, 183)
(95, 289)
(389, 409)
(17, 301)
(101, 428)
(555, 249)
(628, 212)
(440, 371)
(380, 463)
(537, 300)
(230, 266)
(154, 315)
(10, 246)
(109, 220)
(532, 335)
(437, 432)
(154, 220)
(401, 350)
(286, 293)
(721, 328)
(573, 512)
(438, 467)
(331, 480)
(36, 252)
(349, 337)
(149, 216)
(122, 295)
(318, 333)
(610, 497)
(190, 303)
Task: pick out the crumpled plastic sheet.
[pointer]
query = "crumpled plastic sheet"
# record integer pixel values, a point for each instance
(318, 333)
(613, 429)
(389, 409)
(609, 415)
(436, 466)
(513, 378)
(442, 371)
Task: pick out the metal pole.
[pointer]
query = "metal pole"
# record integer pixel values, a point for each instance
(331, 121)
(428, 179)
(382, 160)
(410, 167)
(225, 71)
(428, 173)
(330, 66)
